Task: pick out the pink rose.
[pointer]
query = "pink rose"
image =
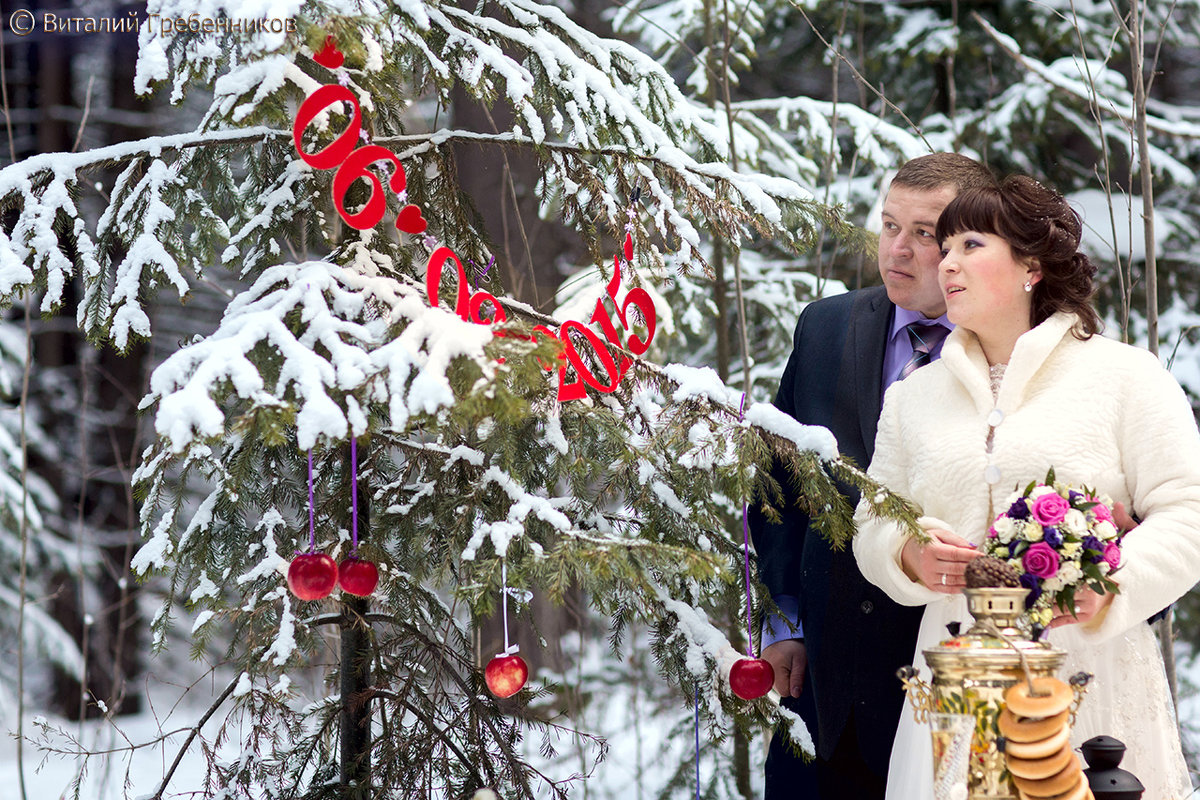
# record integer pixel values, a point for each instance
(1112, 555)
(1050, 508)
(1100, 511)
(1041, 560)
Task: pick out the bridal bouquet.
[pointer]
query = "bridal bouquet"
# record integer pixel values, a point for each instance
(1058, 539)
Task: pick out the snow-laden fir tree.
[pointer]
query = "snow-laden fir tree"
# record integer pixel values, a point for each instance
(31, 550)
(842, 91)
(469, 468)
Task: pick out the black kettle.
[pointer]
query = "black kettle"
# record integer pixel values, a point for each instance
(1106, 780)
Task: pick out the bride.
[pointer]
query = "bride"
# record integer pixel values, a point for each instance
(1025, 384)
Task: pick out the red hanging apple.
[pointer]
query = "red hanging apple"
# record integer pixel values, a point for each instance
(357, 577)
(505, 675)
(751, 678)
(312, 576)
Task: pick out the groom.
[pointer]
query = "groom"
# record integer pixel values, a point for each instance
(837, 669)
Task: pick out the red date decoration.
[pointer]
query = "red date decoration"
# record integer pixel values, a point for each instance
(353, 162)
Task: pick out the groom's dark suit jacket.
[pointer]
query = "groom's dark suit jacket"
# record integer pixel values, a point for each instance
(855, 636)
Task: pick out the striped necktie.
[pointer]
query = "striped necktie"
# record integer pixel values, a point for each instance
(924, 338)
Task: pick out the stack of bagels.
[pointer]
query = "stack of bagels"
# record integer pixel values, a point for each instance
(1037, 732)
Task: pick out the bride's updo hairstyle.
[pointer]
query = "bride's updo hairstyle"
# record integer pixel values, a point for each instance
(1041, 228)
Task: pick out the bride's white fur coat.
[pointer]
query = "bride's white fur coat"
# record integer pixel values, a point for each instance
(1104, 415)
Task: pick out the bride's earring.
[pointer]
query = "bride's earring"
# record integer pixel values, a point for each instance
(1028, 286)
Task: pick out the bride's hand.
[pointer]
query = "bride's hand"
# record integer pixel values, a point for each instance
(938, 564)
(1087, 605)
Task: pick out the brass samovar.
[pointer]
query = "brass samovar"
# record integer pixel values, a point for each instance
(971, 672)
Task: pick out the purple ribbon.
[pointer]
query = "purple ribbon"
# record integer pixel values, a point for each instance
(746, 551)
(697, 741)
(312, 532)
(353, 496)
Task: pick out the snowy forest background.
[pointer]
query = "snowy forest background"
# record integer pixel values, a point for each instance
(186, 316)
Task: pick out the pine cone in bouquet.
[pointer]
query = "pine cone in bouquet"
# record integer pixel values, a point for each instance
(989, 572)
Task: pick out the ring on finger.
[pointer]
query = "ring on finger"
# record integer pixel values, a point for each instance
(943, 579)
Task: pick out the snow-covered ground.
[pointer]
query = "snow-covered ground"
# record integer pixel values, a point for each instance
(644, 751)
(125, 772)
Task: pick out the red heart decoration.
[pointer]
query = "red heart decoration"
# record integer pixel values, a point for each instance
(329, 56)
(410, 220)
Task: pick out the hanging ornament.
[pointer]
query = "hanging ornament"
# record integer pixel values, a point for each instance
(507, 672)
(311, 575)
(356, 576)
(750, 678)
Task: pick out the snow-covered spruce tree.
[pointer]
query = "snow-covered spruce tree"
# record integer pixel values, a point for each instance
(30, 550)
(1038, 88)
(469, 469)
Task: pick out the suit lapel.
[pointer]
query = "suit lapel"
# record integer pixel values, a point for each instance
(867, 342)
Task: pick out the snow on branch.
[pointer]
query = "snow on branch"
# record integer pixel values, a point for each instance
(315, 335)
(327, 355)
(50, 243)
(1093, 82)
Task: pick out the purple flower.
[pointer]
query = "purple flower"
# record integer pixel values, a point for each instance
(1050, 508)
(1052, 536)
(1075, 496)
(1019, 509)
(1041, 560)
(1034, 586)
(1092, 543)
(1112, 554)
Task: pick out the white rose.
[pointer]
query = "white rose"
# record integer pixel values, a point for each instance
(1071, 549)
(1006, 529)
(1104, 567)
(1031, 531)
(1105, 531)
(1069, 573)
(1040, 491)
(1074, 522)
(1052, 585)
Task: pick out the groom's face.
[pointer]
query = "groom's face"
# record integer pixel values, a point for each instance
(908, 248)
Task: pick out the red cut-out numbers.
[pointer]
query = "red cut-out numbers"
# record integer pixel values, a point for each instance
(573, 334)
(336, 151)
(467, 305)
(353, 162)
(355, 167)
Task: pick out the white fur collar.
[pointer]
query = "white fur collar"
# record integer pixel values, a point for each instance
(963, 356)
